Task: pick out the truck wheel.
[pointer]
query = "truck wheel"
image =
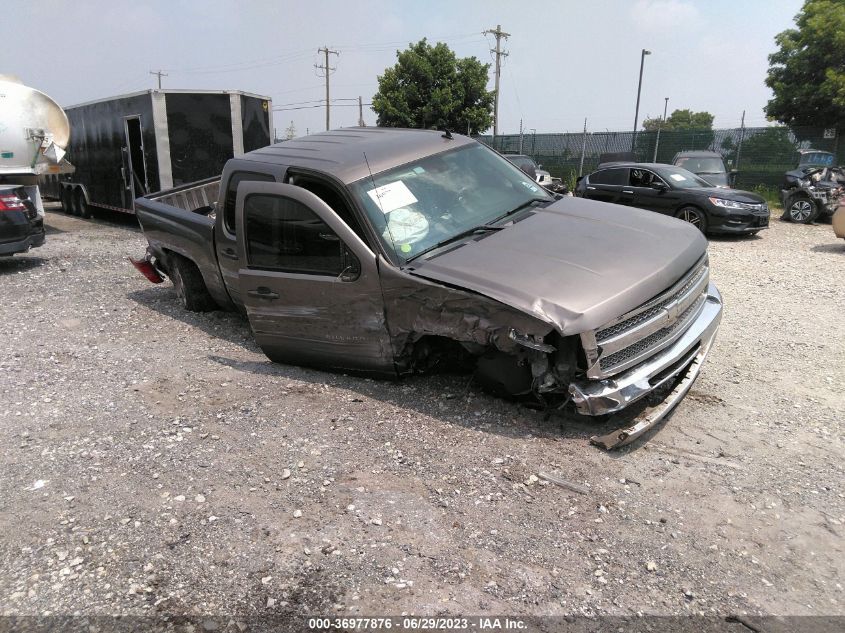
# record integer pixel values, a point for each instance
(802, 210)
(82, 208)
(694, 217)
(67, 200)
(189, 285)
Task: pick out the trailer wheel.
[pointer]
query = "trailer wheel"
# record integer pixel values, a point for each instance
(189, 285)
(82, 208)
(66, 198)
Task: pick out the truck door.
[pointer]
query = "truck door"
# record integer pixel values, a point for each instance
(309, 284)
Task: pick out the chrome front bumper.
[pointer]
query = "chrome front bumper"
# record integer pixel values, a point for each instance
(609, 395)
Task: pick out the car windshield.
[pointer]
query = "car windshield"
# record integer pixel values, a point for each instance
(702, 165)
(680, 178)
(432, 200)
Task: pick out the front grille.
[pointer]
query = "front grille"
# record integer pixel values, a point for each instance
(607, 363)
(653, 326)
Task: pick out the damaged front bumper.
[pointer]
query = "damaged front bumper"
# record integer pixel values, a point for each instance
(685, 356)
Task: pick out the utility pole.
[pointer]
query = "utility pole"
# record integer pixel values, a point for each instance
(499, 33)
(639, 89)
(361, 113)
(741, 135)
(520, 136)
(327, 70)
(660, 125)
(160, 75)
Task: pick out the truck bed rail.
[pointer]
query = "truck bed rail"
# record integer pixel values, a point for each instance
(190, 197)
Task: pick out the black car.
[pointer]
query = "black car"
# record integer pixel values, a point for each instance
(675, 191)
(21, 226)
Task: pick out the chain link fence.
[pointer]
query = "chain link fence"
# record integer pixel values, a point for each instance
(760, 154)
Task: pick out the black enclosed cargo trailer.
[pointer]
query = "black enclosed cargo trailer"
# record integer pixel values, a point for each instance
(136, 144)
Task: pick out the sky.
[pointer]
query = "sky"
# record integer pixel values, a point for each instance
(567, 59)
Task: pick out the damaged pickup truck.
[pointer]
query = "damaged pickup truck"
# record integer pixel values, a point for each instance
(387, 252)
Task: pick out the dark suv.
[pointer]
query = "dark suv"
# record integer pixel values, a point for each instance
(21, 226)
(675, 191)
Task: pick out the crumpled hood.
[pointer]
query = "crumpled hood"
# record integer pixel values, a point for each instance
(576, 264)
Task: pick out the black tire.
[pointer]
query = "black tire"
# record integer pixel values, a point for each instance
(694, 216)
(189, 285)
(67, 200)
(74, 201)
(82, 208)
(801, 210)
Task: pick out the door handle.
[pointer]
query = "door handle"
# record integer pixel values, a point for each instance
(229, 253)
(627, 191)
(263, 292)
(591, 188)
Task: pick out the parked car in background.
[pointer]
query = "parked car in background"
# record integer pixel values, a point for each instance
(815, 195)
(677, 192)
(21, 223)
(540, 176)
(809, 160)
(839, 221)
(708, 165)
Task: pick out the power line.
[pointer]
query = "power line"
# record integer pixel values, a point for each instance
(320, 105)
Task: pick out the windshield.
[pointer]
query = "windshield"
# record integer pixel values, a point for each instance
(680, 178)
(431, 200)
(702, 165)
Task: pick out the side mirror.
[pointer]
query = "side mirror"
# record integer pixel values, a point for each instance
(659, 186)
(540, 166)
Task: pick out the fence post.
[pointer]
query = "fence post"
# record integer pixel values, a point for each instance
(583, 150)
(741, 135)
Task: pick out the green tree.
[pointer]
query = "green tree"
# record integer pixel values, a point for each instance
(682, 130)
(430, 87)
(681, 120)
(772, 145)
(807, 73)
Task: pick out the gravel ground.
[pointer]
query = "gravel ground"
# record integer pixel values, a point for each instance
(154, 462)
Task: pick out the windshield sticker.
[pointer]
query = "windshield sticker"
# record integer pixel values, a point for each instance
(530, 187)
(676, 177)
(392, 196)
(419, 170)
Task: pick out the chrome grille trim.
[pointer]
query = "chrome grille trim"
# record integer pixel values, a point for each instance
(638, 334)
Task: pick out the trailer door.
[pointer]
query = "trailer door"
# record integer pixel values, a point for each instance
(135, 165)
(310, 285)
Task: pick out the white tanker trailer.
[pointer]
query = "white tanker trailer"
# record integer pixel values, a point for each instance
(34, 132)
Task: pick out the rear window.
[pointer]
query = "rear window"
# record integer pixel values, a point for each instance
(232, 193)
(616, 176)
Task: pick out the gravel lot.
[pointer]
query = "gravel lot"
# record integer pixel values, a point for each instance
(154, 462)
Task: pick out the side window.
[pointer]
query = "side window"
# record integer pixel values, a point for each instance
(641, 178)
(285, 235)
(232, 193)
(610, 177)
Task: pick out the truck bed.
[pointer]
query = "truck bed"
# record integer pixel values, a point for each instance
(181, 221)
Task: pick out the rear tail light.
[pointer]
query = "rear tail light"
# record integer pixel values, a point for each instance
(11, 202)
(146, 268)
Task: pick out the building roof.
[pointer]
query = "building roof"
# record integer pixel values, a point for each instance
(350, 154)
